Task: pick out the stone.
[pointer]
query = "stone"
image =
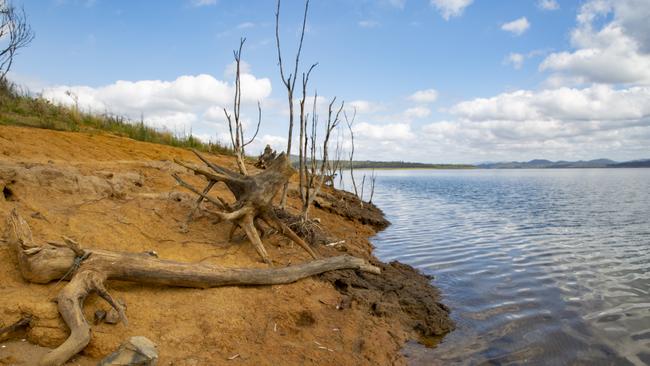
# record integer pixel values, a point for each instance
(137, 351)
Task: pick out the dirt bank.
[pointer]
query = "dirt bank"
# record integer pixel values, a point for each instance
(114, 193)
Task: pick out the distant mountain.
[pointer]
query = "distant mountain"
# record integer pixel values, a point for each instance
(645, 163)
(547, 164)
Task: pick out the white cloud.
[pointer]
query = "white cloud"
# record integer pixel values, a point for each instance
(558, 124)
(364, 106)
(596, 103)
(548, 4)
(450, 8)
(417, 112)
(203, 2)
(616, 53)
(517, 26)
(231, 69)
(387, 132)
(168, 104)
(515, 59)
(424, 96)
(368, 24)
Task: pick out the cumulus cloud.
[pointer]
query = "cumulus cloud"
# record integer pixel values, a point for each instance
(517, 26)
(617, 52)
(515, 59)
(595, 103)
(364, 106)
(548, 5)
(417, 112)
(450, 8)
(424, 96)
(165, 104)
(387, 132)
(557, 123)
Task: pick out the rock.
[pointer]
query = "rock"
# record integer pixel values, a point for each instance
(100, 315)
(137, 351)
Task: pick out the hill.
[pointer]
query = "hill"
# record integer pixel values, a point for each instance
(547, 164)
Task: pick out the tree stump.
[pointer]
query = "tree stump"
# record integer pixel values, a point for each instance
(254, 196)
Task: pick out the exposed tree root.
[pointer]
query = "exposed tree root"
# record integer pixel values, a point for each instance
(91, 268)
(254, 199)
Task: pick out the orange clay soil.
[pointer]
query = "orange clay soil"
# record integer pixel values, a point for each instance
(114, 193)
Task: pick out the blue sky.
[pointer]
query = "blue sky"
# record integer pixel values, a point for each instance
(546, 85)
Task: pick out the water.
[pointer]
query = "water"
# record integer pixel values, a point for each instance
(538, 266)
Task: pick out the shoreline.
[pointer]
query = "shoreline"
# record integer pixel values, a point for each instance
(116, 193)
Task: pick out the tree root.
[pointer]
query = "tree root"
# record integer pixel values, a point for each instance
(92, 267)
(254, 195)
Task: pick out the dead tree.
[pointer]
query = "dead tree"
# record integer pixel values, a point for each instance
(373, 179)
(363, 185)
(89, 269)
(235, 125)
(335, 164)
(350, 122)
(289, 81)
(302, 140)
(316, 176)
(15, 34)
(254, 199)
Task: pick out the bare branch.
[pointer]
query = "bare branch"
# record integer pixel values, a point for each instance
(259, 121)
(16, 31)
(290, 81)
(350, 122)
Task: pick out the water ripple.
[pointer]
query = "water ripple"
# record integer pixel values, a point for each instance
(544, 267)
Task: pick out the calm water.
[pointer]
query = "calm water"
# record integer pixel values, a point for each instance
(538, 266)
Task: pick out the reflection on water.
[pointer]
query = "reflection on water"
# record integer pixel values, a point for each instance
(538, 266)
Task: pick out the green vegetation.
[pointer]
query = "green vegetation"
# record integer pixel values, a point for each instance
(21, 109)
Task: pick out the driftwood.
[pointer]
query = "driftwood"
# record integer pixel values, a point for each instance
(90, 268)
(265, 157)
(254, 196)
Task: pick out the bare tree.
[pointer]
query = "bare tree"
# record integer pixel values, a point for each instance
(15, 34)
(302, 148)
(316, 176)
(235, 124)
(373, 179)
(289, 80)
(350, 122)
(335, 162)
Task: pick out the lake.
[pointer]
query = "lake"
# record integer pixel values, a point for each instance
(538, 266)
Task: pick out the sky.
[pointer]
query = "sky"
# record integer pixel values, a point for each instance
(438, 81)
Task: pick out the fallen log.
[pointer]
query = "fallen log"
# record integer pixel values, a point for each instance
(88, 270)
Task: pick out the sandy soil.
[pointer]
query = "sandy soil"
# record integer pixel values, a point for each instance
(115, 193)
